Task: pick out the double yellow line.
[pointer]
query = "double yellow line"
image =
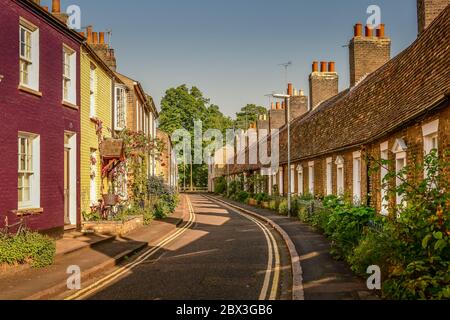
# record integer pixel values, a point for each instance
(86, 292)
(273, 260)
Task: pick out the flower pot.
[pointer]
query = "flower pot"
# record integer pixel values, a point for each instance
(109, 199)
(111, 148)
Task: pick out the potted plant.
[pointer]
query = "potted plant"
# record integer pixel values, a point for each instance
(110, 199)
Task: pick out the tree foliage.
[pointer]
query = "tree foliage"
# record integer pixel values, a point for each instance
(248, 114)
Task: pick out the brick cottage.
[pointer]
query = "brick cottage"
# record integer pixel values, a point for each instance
(40, 117)
(396, 109)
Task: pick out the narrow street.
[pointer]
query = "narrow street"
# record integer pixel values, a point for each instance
(217, 254)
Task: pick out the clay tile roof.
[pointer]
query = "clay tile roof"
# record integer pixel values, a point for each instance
(405, 87)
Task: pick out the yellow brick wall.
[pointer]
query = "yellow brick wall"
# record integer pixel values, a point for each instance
(89, 139)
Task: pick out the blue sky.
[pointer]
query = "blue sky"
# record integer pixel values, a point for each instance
(231, 49)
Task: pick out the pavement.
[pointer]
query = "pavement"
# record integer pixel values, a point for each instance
(324, 278)
(93, 254)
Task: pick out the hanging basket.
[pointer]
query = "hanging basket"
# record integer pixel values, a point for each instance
(109, 199)
(111, 149)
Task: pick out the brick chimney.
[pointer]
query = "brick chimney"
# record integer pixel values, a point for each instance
(428, 10)
(368, 52)
(298, 103)
(97, 42)
(277, 116)
(56, 11)
(323, 84)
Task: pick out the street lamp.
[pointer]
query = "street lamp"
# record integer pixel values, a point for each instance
(288, 110)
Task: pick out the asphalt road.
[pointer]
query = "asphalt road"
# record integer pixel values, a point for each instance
(220, 255)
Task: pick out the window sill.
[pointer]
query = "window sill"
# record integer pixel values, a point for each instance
(30, 91)
(70, 105)
(28, 212)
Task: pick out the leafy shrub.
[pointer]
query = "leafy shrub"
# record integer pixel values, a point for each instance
(262, 197)
(163, 200)
(29, 247)
(283, 208)
(220, 186)
(242, 196)
(273, 205)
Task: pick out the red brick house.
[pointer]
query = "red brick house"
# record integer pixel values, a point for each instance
(40, 118)
(395, 110)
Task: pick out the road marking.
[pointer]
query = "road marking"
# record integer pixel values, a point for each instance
(273, 251)
(84, 293)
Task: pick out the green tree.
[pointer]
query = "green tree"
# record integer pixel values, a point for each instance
(180, 107)
(248, 114)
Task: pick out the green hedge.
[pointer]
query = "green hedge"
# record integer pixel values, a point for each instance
(30, 247)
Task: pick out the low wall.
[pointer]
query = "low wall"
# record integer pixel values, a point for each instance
(117, 228)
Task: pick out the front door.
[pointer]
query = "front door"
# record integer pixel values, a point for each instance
(67, 186)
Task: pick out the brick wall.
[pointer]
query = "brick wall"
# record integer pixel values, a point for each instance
(367, 54)
(298, 106)
(44, 116)
(322, 86)
(428, 10)
(277, 119)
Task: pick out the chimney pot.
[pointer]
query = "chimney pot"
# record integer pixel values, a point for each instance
(381, 31)
(89, 34)
(95, 37)
(315, 66)
(272, 106)
(56, 6)
(102, 38)
(290, 90)
(358, 30)
(369, 32)
(278, 106)
(302, 93)
(323, 66)
(331, 66)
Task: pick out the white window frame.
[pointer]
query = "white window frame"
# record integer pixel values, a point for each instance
(33, 172)
(93, 181)
(340, 175)
(120, 103)
(430, 139)
(30, 58)
(281, 181)
(357, 177)
(329, 172)
(69, 75)
(300, 180)
(292, 179)
(400, 151)
(311, 178)
(384, 171)
(92, 91)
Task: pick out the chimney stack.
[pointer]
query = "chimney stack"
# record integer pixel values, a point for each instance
(56, 11)
(277, 117)
(428, 10)
(324, 84)
(56, 6)
(368, 53)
